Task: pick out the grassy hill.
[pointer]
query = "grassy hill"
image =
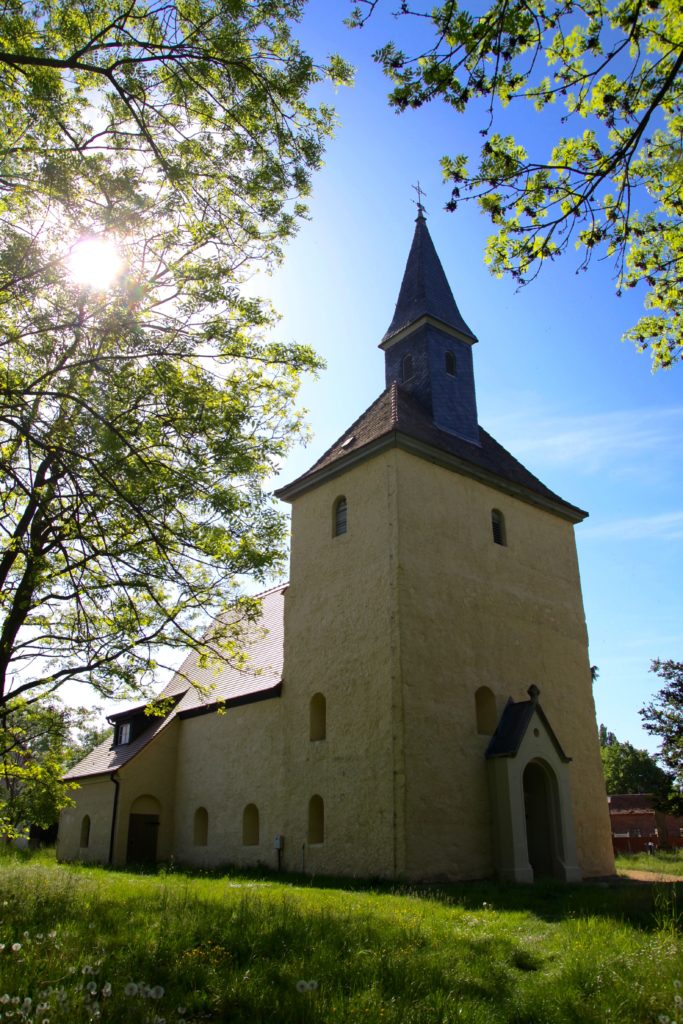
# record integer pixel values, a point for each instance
(87, 944)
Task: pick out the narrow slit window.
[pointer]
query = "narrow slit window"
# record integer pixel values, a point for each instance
(340, 517)
(485, 706)
(316, 820)
(498, 527)
(450, 364)
(85, 832)
(250, 826)
(201, 827)
(407, 367)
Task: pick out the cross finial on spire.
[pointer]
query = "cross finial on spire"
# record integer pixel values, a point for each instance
(420, 193)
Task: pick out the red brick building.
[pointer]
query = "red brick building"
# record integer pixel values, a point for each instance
(635, 823)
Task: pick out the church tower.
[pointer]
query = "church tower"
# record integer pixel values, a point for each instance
(438, 716)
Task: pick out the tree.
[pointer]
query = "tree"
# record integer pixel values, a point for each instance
(38, 742)
(630, 770)
(663, 716)
(612, 183)
(151, 155)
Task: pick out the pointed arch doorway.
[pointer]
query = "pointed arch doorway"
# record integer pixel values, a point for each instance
(541, 816)
(532, 821)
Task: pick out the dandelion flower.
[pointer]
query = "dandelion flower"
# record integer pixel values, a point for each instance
(27, 935)
(5, 998)
(91, 987)
(312, 986)
(677, 983)
(16, 946)
(27, 1003)
(2, 946)
(157, 992)
(131, 989)
(87, 969)
(52, 935)
(302, 986)
(106, 989)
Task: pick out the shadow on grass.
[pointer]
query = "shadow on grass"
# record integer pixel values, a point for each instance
(617, 898)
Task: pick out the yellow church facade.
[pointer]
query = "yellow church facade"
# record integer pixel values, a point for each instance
(418, 700)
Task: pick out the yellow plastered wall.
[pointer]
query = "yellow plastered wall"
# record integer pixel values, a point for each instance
(341, 641)
(151, 773)
(94, 797)
(477, 613)
(226, 762)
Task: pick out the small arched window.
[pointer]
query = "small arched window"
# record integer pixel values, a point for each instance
(200, 831)
(318, 717)
(450, 363)
(250, 825)
(316, 820)
(340, 516)
(85, 832)
(487, 715)
(498, 527)
(407, 370)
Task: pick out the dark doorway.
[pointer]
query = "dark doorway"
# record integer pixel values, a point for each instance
(541, 818)
(142, 838)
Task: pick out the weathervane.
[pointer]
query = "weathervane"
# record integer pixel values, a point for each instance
(420, 193)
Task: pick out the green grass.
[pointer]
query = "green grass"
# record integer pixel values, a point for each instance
(236, 948)
(660, 863)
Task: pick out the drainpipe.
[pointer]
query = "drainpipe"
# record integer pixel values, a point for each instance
(113, 817)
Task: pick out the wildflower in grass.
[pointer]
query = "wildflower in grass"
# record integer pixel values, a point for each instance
(16, 946)
(27, 1004)
(2, 946)
(131, 989)
(302, 986)
(106, 989)
(4, 999)
(52, 935)
(91, 987)
(157, 992)
(87, 969)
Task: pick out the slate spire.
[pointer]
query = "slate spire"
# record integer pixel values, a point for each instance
(428, 347)
(425, 290)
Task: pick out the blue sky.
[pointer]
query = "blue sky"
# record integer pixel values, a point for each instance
(555, 384)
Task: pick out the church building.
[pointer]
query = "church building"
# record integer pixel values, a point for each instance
(417, 701)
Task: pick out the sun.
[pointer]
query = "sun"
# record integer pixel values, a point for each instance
(94, 262)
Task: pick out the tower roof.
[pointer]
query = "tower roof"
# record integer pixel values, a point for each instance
(425, 291)
(396, 419)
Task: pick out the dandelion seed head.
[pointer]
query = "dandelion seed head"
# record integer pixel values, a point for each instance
(16, 946)
(5, 998)
(106, 988)
(157, 992)
(87, 969)
(302, 986)
(131, 989)
(91, 987)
